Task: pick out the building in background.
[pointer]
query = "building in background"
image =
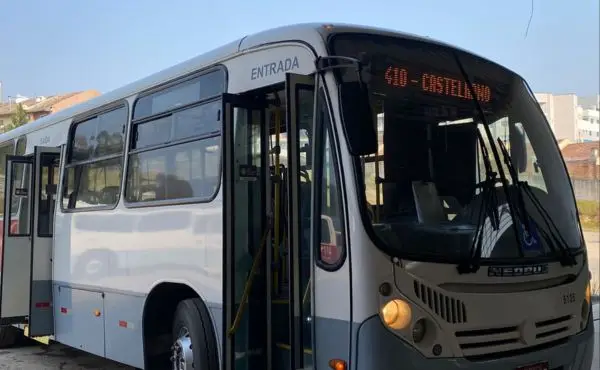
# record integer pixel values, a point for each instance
(41, 106)
(572, 117)
(583, 163)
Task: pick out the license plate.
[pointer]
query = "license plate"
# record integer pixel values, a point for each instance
(538, 366)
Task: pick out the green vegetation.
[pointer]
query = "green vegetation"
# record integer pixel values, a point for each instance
(589, 214)
(19, 118)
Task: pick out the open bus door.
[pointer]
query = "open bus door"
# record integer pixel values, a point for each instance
(26, 268)
(41, 313)
(266, 196)
(15, 273)
(240, 178)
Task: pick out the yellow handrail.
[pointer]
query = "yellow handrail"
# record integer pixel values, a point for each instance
(248, 286)
(306, 291)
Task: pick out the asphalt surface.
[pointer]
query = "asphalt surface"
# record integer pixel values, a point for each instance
(34, 356)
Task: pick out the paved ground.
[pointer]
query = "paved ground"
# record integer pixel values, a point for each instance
(35, 356)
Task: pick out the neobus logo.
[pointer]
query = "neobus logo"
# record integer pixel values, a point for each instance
(518, 270)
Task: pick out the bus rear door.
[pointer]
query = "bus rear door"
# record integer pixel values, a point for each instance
(26, 268)
(16, 252)
(41, 313)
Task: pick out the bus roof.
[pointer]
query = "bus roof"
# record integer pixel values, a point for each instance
(312, 33)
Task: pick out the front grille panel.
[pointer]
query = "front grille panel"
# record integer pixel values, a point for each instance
(450, 309)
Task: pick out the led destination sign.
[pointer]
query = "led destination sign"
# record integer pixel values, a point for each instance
(433, 83)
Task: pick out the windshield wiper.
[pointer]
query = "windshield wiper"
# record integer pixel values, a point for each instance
(474, 262)
(489, 204)
(528, 225)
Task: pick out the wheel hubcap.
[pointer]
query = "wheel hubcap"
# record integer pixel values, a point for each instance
(182, 355)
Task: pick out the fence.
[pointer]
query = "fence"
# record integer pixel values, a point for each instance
(586, 189)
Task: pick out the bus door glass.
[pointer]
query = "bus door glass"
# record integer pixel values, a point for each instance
(300, 97)
(5, 150)
(267, 190)
(245, 234)
(41, 319)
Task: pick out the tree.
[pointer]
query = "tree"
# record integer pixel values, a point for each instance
(20, 117)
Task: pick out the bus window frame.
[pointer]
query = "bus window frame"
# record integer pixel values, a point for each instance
(18, 147)
(64, 167)
(9, 143)
(30, 196)
(206, 100)
(38, 197)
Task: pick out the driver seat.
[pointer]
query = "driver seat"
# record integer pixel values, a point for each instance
(428, 203)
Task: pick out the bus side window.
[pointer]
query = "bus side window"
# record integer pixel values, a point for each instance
(4, 151)
(332, 233)
(47, 196)
(95, 159)
(175, 157)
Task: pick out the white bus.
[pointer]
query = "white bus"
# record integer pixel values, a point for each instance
(309, 197)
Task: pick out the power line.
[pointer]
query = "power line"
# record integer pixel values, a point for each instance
(530, 17)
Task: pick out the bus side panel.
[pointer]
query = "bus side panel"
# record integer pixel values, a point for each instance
(123, 328)
(79, 318)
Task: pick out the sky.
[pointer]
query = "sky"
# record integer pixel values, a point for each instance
(52, 47)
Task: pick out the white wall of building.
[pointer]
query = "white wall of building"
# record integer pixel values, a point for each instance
(572, 117)
(588, 124)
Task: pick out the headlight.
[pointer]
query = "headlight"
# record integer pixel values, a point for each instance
(396, 314)
(588, 293)
(585, 306)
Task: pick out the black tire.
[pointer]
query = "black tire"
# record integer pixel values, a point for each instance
(9, 335)
(193, 315)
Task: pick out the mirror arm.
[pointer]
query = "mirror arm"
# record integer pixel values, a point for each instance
(324, 64)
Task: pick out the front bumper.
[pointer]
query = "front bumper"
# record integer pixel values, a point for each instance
(378, 348)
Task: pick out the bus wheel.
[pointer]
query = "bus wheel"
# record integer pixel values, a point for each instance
(9, 336)
(193, 340)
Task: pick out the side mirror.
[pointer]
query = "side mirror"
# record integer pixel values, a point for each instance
(329, 248)
(518, 147)
(357, 118)
(327, 230)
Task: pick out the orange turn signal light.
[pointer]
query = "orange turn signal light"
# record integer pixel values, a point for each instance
(337, 364)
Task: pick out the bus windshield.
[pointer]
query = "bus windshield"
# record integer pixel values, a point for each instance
(434, 189)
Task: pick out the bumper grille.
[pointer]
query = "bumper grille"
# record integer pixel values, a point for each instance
(553, 327)
(509, 338)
